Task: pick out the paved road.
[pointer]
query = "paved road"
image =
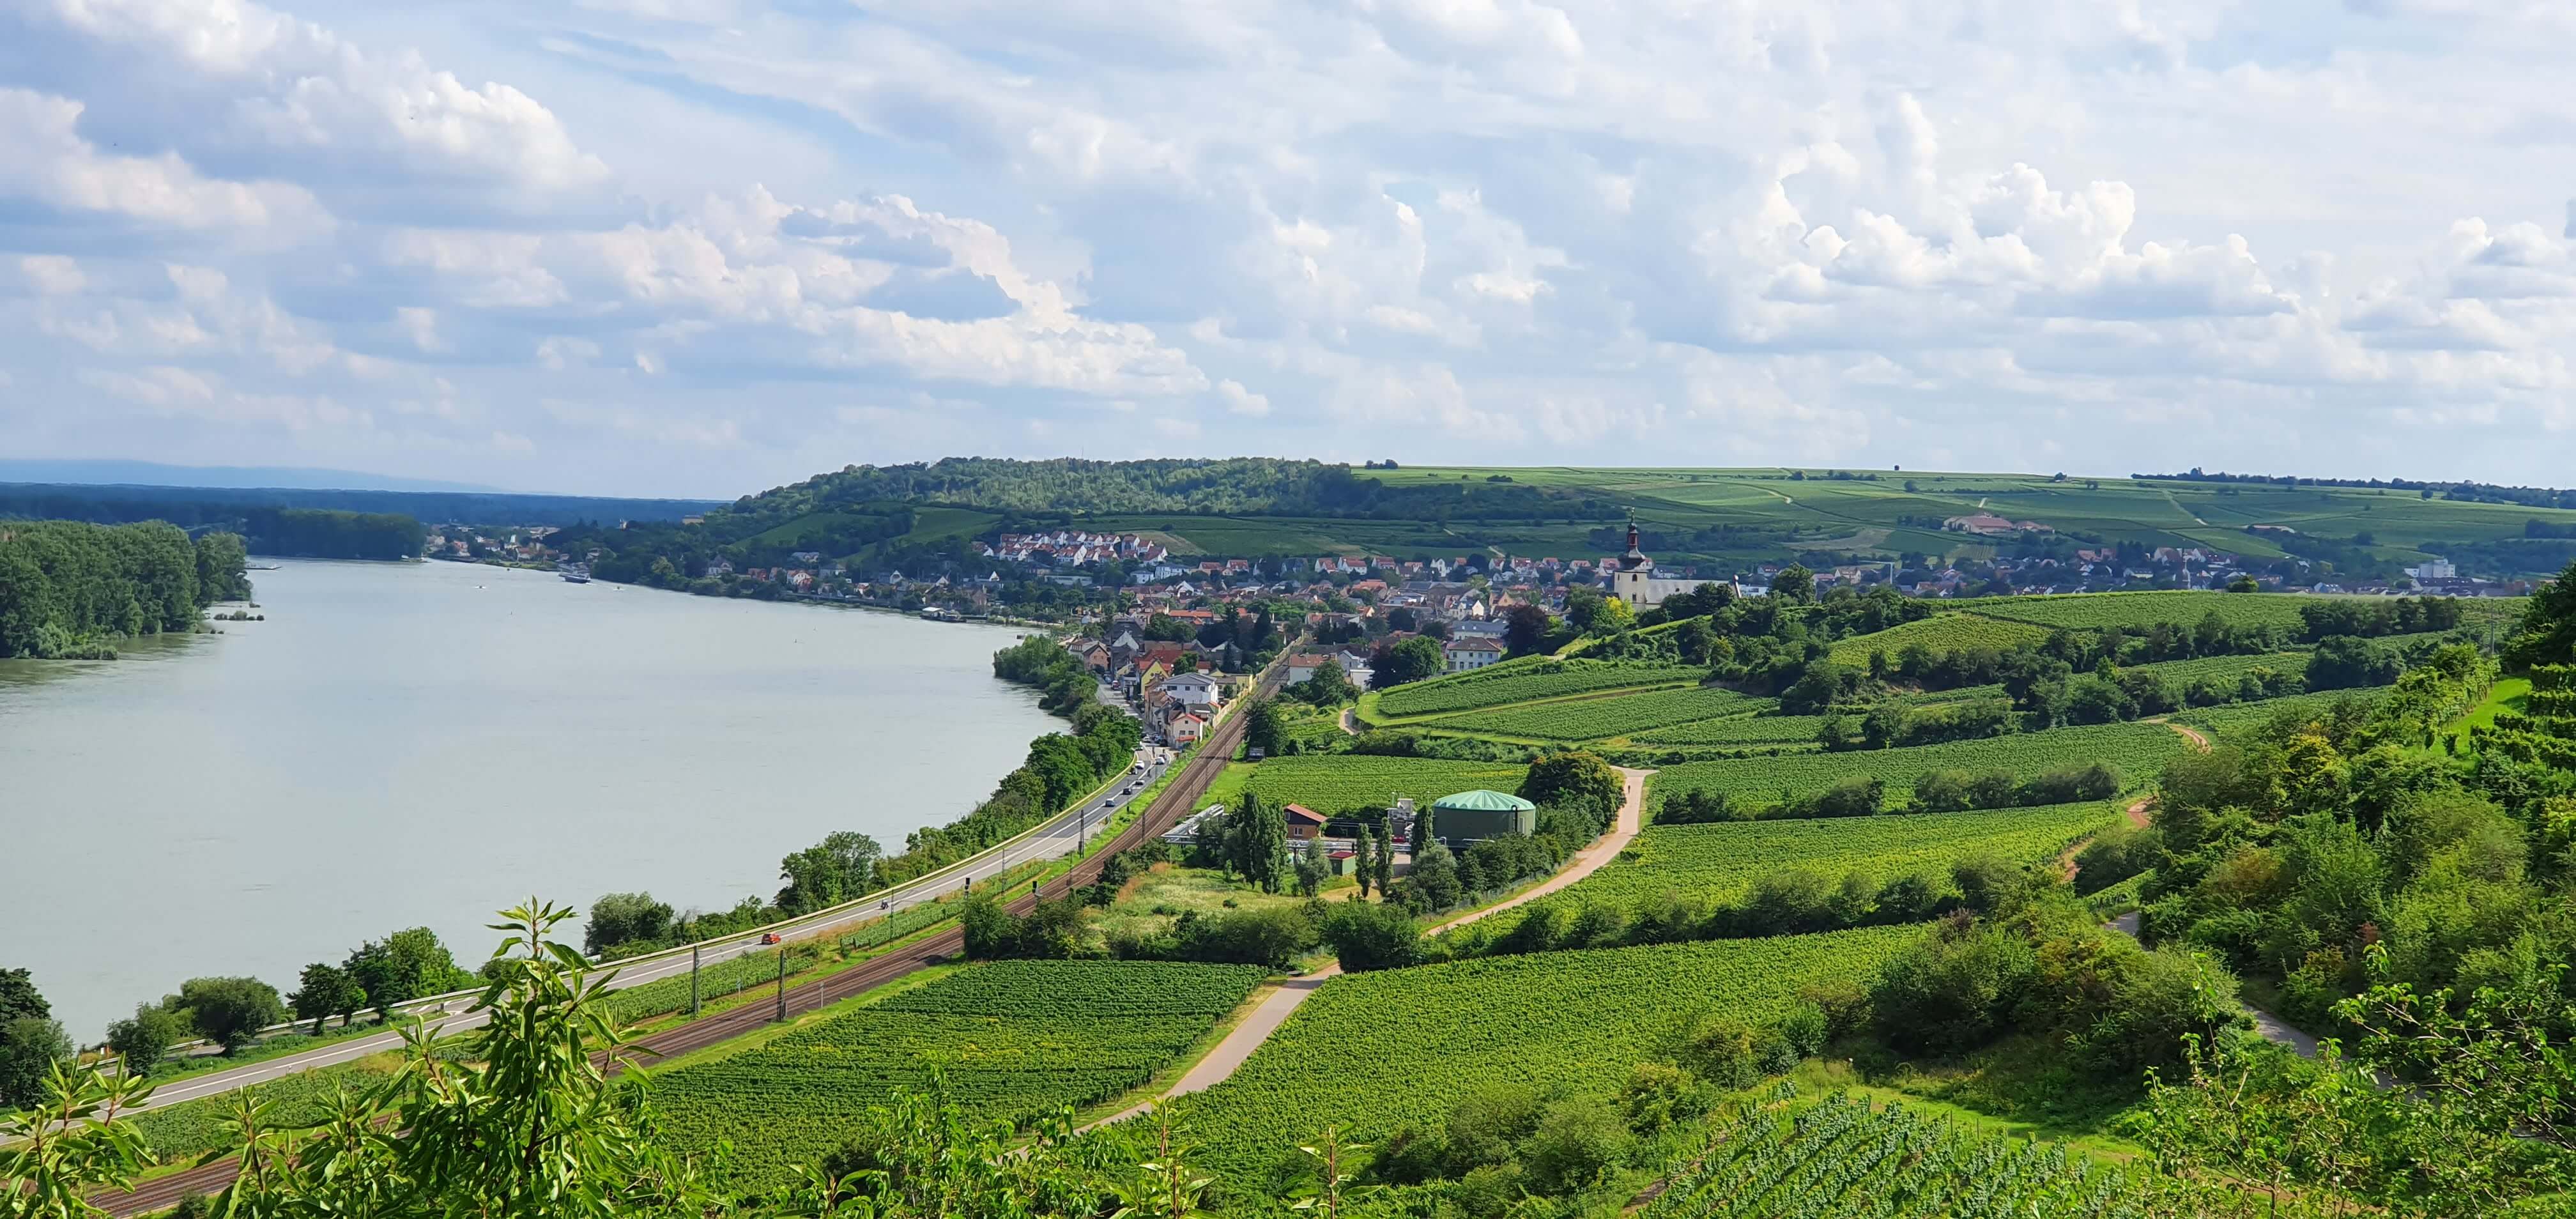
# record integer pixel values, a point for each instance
(1056, 839)
(1239, 1043)
(1174, 802)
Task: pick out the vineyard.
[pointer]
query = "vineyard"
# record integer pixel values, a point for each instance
(1595, 719)
(182, 1132)
(1014, 1039)
(2238, 719)
(1334, 783)
(2138, 751)
(1569, 1021)
(2178, 674)
(1520, 681)
(2090, 611)
(738, 974)
(1720, 862)
(1950, 632)
(1740, 730)
(1843, 1158)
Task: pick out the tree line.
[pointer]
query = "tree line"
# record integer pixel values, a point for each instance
(67, 587)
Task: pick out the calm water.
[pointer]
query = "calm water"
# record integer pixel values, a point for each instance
(407, 745)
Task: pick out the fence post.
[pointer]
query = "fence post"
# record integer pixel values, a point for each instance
(693, 981)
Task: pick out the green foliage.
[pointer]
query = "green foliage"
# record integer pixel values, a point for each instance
(1371, 935)
(404, 966)
(1594, 719)
(2132, 749)
(1948, 632)
(1012, 1041)
(2092, 611)
(64, 584)
(230, 1011)
(1520, 681)
(840, 868)
(1570, 1022)
(141, 1041)
(1336, 783)
(1560, 778)
(1739, 730)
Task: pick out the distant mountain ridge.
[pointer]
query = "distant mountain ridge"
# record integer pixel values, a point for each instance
(120, 473)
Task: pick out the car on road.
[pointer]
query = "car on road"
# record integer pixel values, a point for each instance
(769, 937)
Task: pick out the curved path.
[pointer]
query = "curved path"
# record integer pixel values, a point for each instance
(1229, 1054)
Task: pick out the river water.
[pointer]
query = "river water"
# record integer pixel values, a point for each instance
(403, 745)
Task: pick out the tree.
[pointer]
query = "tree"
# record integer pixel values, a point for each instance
(1371, 935)
(2547, 633)
(230, 1011)
(324, 991)
(1329, 687)
(1362, 865)
(1794, 584)
(140, 1042)
(1413, 659)
(29, 1048)
(1313, 868)
(1560, 778)
(617, 919)
(1582, 604)
(1262, 729)
(1613, 617)
(1433, 883)
(1525, 629)
(404, 966)
(842, 867)
(1385, 858)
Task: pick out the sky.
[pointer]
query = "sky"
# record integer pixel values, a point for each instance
(703, 247)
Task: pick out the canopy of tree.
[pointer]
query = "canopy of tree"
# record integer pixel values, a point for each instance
(65, 584)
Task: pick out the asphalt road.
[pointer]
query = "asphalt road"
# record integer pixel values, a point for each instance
(1056, 839)
(1174, 803)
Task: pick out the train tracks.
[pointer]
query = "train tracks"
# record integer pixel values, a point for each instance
(1175, 802)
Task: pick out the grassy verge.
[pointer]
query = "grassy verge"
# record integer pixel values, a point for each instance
(2507, 695)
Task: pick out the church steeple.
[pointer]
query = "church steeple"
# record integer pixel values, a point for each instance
(1632, 533)
(1635, 559)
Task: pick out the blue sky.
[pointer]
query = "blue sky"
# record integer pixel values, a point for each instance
(701, 247)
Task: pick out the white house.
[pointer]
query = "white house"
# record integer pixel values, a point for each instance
(1634, 581)
(1465, 654)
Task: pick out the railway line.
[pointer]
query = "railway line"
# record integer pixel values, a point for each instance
(1175, 802)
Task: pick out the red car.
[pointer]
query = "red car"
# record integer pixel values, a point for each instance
(769, 937)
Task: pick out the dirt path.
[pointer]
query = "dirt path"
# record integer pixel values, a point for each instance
(2194, 735)
(1347, 725)
(1238, 1045)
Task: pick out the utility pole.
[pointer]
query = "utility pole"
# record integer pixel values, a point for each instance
(782, 982)
(693, 981)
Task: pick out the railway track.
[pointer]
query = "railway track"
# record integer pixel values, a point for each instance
(1175, 802)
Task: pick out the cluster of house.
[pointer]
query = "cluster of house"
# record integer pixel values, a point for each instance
(524, 545)
(1073, 548)
(1177, 688)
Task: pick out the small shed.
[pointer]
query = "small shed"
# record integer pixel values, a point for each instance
(1473, 816)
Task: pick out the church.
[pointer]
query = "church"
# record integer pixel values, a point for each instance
(1635, 582)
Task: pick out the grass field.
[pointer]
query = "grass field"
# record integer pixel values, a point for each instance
(1372, 1052)
(1719, 862)
(2178, 674)
(1335, 783)
(2235, 719)
(1739, 730)
(1014, 1039)
(2136, 750)
(1949, 632)
(1595, 719)
(2510, 694)
(1521, 681)
(2092, 611)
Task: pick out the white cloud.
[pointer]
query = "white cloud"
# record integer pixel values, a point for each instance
(718, 244)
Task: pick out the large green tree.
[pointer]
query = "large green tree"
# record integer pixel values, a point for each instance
(404, 966)
(324, 991)
(230, 1011)
(1558, 778)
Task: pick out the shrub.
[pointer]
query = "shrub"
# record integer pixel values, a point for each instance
(1574, 1146)
(1955, 991)
(1371, 935)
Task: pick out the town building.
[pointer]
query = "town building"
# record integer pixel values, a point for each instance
(1634, 581)
(1466, 654)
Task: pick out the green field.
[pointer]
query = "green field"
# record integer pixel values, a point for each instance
(1740, 730)
(2138, 751)
(1949, 632)
(1846, 1156)
(2236, 719)
(1719, 862)
(1596, 719)
(1525, 680)
(1014, 1039)
(1371, 1052)
(1335, 783)
(2091, 611)
(2178, 674)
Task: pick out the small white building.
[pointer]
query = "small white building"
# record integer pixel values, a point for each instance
(1466, 654)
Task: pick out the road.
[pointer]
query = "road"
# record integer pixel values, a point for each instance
(1238, 1044)
(1054, 840)
(1174, 803)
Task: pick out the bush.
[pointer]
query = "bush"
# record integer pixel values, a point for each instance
(1858, 796)
(1954, 992)
(142, 1040)
(1488, 1192)
(1944, 791)
(2114, 855)
(1574, 1146)
(1371, 935)
(1658, 1094)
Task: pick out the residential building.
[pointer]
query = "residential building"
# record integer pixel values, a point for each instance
(1185, 728)
(1303, 823)
(1466, 654)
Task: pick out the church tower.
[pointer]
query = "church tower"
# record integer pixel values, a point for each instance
(1631, 583)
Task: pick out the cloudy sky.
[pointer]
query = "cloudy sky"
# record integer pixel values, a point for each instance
(705, 246)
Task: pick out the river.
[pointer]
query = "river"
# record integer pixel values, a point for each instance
(402, 745)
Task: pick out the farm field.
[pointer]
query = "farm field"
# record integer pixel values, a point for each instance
(1575, 1021)
(1720, 862)
(182, 1132)
(2180, 673)
(2237, 719)
(1739, 730)
(2090, 611)
(1949, 632)
(1015, 1039)
(2136, 750)
(1596, 719)
(1846, 1156)
(1525, 680)
(1335, 783)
